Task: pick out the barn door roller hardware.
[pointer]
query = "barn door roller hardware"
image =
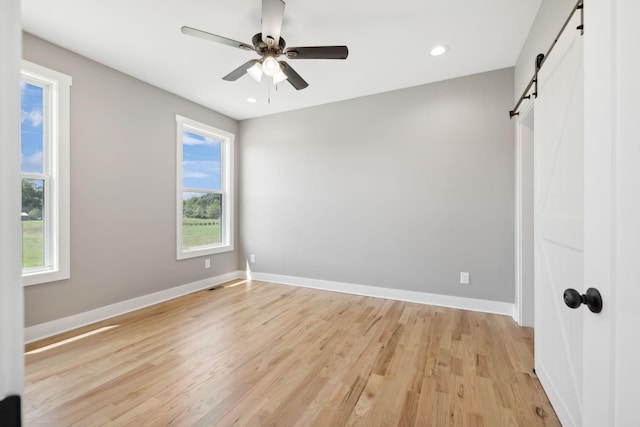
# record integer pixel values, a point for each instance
(541, 58)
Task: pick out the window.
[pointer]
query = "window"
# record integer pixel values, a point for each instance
(44, 166)
(204, 189)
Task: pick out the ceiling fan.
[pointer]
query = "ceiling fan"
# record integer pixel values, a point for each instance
(269, 45)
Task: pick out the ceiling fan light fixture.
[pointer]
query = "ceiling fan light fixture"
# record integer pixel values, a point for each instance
(255, 71)
(270, 66)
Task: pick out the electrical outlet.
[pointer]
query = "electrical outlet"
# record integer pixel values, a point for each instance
(207, 263)
(252, 258)
(464, 278)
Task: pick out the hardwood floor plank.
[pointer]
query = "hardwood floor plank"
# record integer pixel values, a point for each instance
(260, 354)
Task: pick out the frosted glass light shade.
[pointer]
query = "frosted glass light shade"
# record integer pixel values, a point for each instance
(255, 71)
(279, 76)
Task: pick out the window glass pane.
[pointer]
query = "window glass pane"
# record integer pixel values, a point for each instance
(201, 219)
(31, 159)
(200, 161)
(32, 223)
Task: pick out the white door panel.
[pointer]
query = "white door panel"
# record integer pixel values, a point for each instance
(588, 363)
(558, 225)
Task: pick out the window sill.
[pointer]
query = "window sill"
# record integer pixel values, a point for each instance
(204, 251)
(44, 276)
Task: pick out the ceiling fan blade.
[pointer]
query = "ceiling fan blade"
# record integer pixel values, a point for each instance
(294, 78)
(240, 71)
(214, 38)
(317, 52)
(272, 15)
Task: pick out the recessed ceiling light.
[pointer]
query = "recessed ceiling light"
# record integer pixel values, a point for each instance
(252, 100)
(439, 50)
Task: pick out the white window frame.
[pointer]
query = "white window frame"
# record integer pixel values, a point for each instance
(226, 187)
(56, 147)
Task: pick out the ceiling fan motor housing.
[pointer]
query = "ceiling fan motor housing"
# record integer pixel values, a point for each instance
(262, 47)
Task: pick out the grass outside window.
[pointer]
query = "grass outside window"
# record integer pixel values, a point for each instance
(32, 244)
(200, 232)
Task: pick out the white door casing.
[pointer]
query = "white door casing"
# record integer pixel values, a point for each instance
(627, 220)
(558, 224)
(524, 215)
(612, 212)
(11, 292)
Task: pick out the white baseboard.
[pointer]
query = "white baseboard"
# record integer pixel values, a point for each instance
(47, 329)
(485, 306)
(516, 315)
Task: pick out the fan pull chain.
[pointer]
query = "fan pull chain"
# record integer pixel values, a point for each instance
(269, 91)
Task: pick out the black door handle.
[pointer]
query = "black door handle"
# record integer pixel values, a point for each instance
(591, 299)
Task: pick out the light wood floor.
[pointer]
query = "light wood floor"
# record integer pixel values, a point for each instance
(261, 354)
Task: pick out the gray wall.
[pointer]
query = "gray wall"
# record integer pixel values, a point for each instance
(122, 189)
(402, 190)
(545, 28)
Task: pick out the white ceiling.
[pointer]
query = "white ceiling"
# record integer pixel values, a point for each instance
(389, 44)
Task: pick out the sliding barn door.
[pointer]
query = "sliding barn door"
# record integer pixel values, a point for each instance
(558, 225)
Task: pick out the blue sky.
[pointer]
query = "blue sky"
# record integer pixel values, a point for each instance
(200, 161)
(31, 127)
